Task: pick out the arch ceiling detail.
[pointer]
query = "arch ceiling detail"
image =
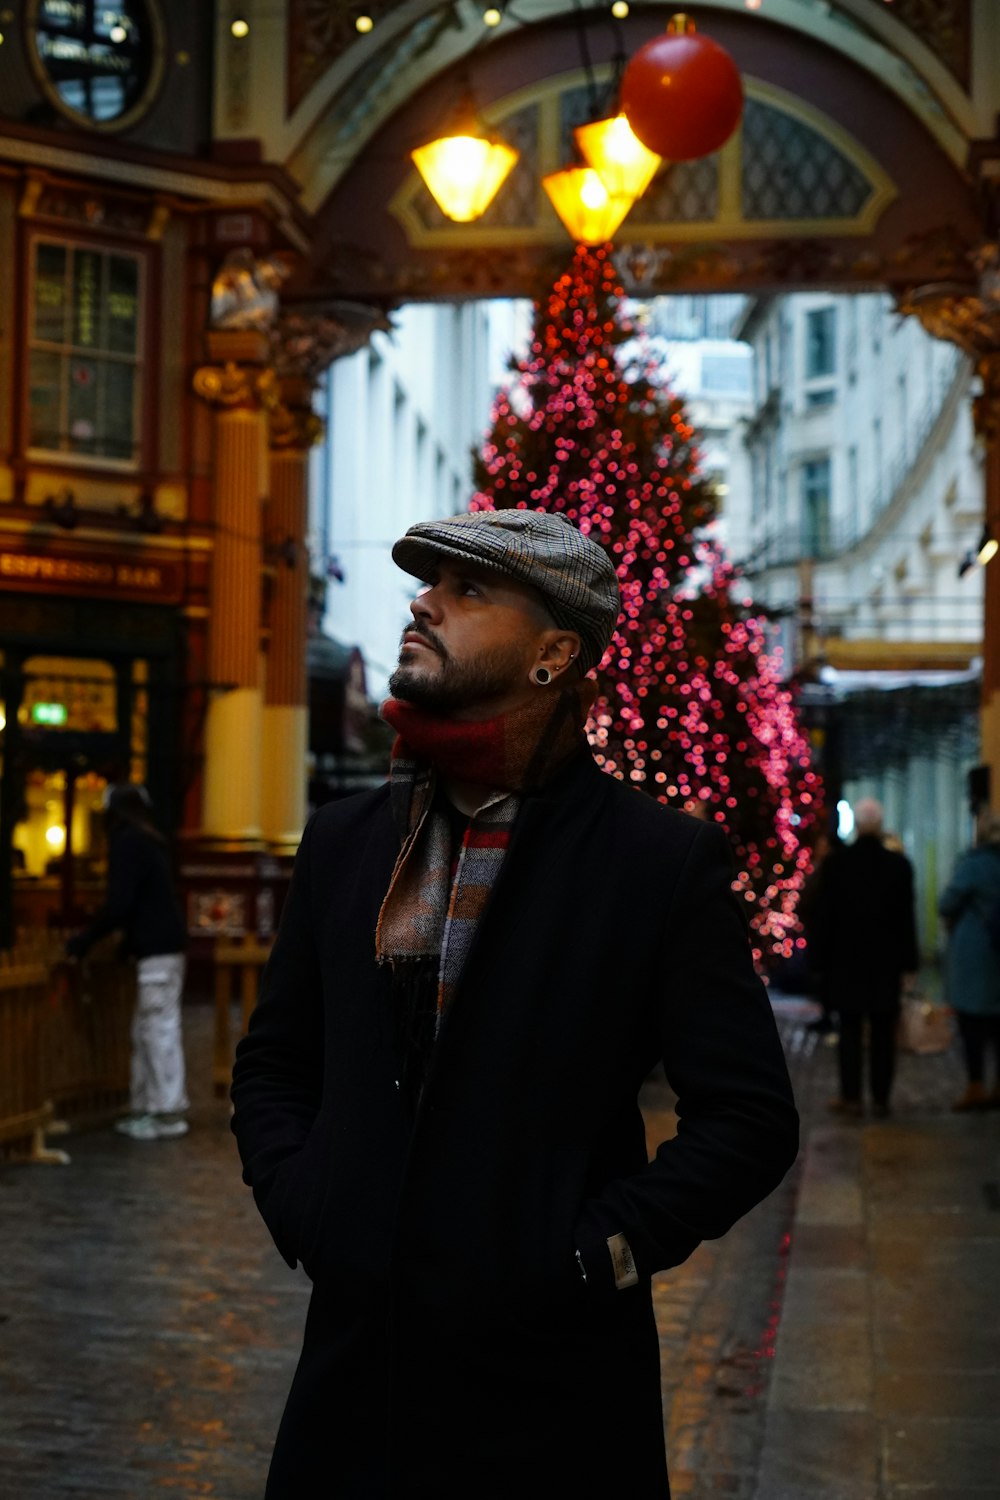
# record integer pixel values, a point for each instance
(340, 89)
(788, 171)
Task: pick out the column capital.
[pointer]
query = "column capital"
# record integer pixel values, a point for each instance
(968, 314)
(294, 428)
(234, 385)
(986, 406)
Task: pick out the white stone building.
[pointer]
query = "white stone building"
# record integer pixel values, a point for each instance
(403, 418)
(865, 497)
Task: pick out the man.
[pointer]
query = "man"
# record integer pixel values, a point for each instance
(435, 1104)
(866, 942)
(142, 905)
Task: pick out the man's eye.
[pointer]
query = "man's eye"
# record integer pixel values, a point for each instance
(424, 588)
(468, 587)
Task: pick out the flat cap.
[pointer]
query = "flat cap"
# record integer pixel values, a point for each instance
(574, 576)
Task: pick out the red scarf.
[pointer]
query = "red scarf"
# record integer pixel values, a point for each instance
(425, 912)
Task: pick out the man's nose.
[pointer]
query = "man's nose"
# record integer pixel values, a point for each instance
(425, 605)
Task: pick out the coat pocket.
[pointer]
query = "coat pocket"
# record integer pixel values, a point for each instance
(292, 1206)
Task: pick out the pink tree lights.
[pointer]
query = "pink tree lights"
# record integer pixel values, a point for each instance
(691, 707)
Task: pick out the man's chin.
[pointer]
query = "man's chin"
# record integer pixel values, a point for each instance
(411, 684)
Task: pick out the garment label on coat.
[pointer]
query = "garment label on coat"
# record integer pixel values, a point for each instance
(623, 1262)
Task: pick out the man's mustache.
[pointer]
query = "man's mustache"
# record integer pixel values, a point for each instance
(426, 634)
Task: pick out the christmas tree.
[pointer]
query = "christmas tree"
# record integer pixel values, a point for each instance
(691, 706)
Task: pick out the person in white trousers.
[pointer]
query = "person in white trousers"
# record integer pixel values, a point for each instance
(142, 905)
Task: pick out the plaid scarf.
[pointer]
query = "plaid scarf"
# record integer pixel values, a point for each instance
(428, 912)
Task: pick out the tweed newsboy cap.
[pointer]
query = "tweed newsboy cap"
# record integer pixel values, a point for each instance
(575, 576)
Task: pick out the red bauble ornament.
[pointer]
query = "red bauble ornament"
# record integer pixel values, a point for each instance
(682, 93)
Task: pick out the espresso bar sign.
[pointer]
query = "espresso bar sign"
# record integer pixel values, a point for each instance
(91, 574)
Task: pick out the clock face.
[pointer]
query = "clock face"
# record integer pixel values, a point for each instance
(100, 63)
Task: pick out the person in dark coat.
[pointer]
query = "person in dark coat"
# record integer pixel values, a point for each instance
(971, 906)
(141, 904)
(436, 1102)
(866, 942)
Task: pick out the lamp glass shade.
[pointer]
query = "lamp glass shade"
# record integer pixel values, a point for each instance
(464, 173)
(588, 210)
(623, 163)
(987, 549)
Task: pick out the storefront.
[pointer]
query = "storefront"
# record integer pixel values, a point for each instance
(91, 673)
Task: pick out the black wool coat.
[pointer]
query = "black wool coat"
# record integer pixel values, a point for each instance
(452, 1348)
(866, 927)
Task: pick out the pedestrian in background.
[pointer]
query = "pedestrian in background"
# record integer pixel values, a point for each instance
(141, 904)
(866, 942)
(437, 1100)
(971, 907)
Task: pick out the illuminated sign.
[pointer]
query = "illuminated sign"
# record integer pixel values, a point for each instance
(100, 574)
(48, 713)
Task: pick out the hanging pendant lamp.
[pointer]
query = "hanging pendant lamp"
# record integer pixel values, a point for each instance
(465, 167)
(623, 163)
(583, 203)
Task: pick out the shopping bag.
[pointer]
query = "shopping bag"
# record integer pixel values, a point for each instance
(924, 1027)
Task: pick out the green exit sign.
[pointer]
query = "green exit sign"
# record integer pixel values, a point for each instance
(48, 713)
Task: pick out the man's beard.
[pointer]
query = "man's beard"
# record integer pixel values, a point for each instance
(458, 685)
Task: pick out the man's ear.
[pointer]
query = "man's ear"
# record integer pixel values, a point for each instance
(558, 650)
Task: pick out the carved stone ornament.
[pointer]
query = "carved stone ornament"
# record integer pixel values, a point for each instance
(295, 427)
(986, 406)
(968, 315)
(306, 342)
(245, 291)
(233, 385)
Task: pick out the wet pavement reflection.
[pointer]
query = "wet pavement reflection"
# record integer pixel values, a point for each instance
(841, 1343)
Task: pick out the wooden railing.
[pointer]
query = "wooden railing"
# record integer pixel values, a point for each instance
(86, 1048)
(64, 1042)
(25, 1108)
(238, 967)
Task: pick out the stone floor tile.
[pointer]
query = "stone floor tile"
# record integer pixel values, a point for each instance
(925, 1391)
(957, 1452)
(823, 1367)
(819, 1456)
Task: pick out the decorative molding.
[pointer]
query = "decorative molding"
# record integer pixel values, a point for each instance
(231, 385)
(319, 33)
(945, 26)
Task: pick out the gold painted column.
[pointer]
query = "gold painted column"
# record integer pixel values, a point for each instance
(294, 428)
(242, 388)
(986, 411)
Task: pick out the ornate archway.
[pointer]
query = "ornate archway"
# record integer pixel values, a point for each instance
(868, 157)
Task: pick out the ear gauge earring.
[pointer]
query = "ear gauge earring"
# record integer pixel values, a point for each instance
(541, 676)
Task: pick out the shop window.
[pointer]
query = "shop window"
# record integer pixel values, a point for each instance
(84, 354)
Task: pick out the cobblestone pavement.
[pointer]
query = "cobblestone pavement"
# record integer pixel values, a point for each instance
(148, 1330)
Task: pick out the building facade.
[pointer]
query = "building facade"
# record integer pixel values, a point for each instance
(405, 416)
(863, 507)
(155, 430)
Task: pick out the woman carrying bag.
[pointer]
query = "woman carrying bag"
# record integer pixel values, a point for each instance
(971, 907)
